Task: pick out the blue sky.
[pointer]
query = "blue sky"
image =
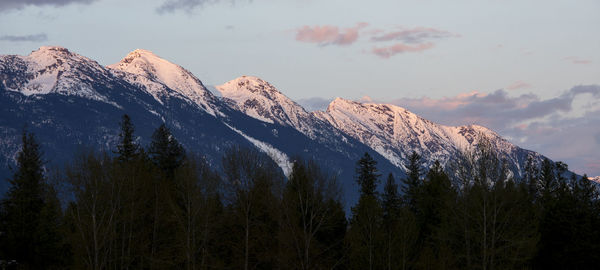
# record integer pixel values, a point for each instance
(477, 61)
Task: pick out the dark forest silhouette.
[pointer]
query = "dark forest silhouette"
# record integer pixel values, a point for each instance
(165, 207)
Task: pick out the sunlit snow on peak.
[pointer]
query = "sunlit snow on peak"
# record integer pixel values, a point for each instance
(156, 71)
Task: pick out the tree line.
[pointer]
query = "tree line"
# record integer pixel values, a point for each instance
(161, 207)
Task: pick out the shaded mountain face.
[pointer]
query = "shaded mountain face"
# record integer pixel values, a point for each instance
(71, 102)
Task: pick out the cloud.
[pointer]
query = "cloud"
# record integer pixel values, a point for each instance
(387, 52)
(518, 85)
(170, 6)
(576, 60)
(414, 36)
(20, 4)
(29, 38)
(328, 34)
(556, 127)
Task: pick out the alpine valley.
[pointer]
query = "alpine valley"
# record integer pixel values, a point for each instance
(71, 102)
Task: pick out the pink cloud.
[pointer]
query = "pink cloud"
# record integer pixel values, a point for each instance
(518, 85)
(387, 52)
(576, 60)
(414, 35)
(328, 34)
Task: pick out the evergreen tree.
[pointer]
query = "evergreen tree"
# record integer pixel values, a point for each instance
(127, 148)
(531, 176)
(412, 182)
(30, 215)
(165, 151)
(391, 213)
(367, 175)
(433, 205)
(365, 225)
(390, 199)
(548, 181)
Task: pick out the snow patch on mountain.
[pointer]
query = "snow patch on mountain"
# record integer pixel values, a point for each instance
(595, 179)
(144, 68)
(279, 157)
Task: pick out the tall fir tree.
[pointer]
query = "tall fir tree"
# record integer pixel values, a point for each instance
(165, 151)
(531, 176)
(367, 175)
(412, 182)
(366, 222)
(391, 213)
(127, 148)
(30, 215)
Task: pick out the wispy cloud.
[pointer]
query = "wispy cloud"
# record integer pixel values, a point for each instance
(170, 6)
(27, 38)
(387, 52)
(414, 36)
(328, 34)
(404, 40)
(518, 85)
(20, 4)
(415, 39)
(577, 60)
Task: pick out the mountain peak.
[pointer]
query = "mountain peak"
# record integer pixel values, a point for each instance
(138, 53)
(152, 70)
(259, 99)
(49, 55)
(54, 69)
(248, 83)
(341, 102)
(47, 49)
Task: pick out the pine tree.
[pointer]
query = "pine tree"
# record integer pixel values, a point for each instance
(127, 148)
(165, 151)
(548, 181)
(367, 175)
(531, 176)
(412, 182)
(390, 199)
(366, 218)
(391, 211)
(30, 215)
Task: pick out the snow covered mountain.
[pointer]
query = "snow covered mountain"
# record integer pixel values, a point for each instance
(395, 132)
(54, 70)
(595, 179)
(70, 101)
(259, 99)
(163, 79)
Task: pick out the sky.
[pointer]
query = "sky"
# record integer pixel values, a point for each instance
(529, 70)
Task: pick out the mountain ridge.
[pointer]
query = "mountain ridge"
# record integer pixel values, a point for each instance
(250, 111)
